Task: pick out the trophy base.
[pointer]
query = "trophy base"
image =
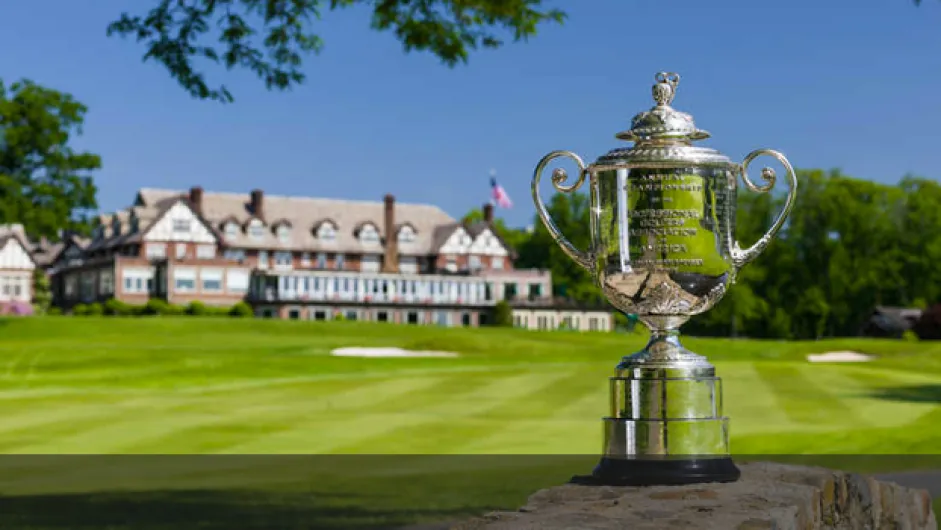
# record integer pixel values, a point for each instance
(667, 425)
(660, 472)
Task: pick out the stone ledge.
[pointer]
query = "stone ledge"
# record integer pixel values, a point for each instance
(768, 496)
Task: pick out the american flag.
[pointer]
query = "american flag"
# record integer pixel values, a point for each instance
(498, 194)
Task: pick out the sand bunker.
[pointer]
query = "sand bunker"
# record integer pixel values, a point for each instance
(840, 357)
(388, 352)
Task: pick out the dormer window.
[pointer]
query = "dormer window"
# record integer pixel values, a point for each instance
(369, 234)
(256, 229)
(406, 234)
(327, 232)
(231, 230)
(284, 233)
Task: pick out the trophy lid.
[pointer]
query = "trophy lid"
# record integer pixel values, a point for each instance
(664, 134)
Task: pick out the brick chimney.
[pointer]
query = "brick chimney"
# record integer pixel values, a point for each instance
(196, 199)
(391, 261)
(488, 213)
(258, 204)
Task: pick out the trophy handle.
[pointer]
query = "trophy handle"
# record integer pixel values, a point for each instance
(741, 257)
(558, 178)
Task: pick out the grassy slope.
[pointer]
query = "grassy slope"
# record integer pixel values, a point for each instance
(186, 386)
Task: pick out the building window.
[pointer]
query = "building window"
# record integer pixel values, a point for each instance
(542, 322)
(382, 316)
(321, 260)
(283, 260)
(592, 324)
(106, 282)
(339, 262)
(263, 259)
(320, 315)
(496, 263)
(184, 280)
(181, 226)
(137, 281)
(509, 291)
(473, 262)
(465, 319)
(351, 314)
(369, 235)
(210, 280)
(412, 317)
(408, 265)
(156, 250)
(70, 283)
(256, 229)
(406, 235)
(231, 231)
(236, 280)
(444, 318)
(234, 255)
(369, 263)
(305, 259)
(205, 252)
(180, 250)
(284, 233)
(327, 232)
(535, 290)
(450, 264)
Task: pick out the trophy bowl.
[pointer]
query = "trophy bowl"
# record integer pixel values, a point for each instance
(662, 222)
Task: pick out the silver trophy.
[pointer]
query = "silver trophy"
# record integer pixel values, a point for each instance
(662, 247)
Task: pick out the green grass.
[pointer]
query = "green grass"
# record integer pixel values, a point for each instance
(191, 386)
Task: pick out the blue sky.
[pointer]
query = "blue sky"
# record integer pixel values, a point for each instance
(850, 84)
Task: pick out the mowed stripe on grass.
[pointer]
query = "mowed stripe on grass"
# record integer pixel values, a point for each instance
(249, 390)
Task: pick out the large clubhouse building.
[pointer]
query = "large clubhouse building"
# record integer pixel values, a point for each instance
(306, 258)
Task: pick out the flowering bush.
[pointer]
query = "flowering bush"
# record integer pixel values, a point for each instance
(16, 309)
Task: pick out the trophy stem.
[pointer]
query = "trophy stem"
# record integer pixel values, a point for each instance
(667, 425)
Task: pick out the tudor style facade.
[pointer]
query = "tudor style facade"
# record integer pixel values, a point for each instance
(16, 268)
(307, 258)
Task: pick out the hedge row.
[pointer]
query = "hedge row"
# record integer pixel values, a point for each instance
(157, 307)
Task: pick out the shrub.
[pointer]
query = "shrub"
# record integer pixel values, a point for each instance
(42, 295)
(54, 312)
(80, 310)
(114, 307)
(156, 306)
(909, 336)
(94, 310)
(503, 314)
(197, 309)
(241, 310)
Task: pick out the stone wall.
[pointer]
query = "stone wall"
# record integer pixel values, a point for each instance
(768, 496)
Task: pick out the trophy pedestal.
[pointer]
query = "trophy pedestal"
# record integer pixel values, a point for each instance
(666, 425)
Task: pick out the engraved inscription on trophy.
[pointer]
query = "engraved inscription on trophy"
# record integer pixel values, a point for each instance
(662, 222)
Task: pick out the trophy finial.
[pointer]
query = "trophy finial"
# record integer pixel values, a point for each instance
(665, 89)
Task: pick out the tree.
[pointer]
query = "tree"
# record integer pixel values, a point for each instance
(271, 37)
(42, 295)
(503, 314)
(539, 250)
(44, 184)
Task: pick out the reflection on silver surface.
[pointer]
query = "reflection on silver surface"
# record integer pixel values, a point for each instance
(663, 247)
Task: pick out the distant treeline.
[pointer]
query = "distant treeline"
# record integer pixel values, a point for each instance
(848, 246)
